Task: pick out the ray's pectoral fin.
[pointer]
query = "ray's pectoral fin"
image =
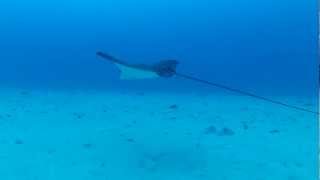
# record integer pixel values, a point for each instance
(127, 73)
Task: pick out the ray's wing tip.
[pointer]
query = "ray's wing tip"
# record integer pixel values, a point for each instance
(99, 53)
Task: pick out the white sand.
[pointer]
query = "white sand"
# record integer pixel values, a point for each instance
(52, 135)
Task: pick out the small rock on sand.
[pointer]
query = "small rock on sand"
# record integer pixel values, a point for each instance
(173, 106)
(18, 141)
(226, 132)
(87, 145)
(244, 125)
(274, 131)
(210, 130)
(131, 140)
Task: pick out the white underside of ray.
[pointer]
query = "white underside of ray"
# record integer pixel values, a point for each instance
(128, 73)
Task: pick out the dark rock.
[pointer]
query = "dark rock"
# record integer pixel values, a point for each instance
(173, 106)
(210, 130)
(226, 132)
(131, 140)
(18, 141)
(274, 131)
(79, 115)
(87, 145)
(245, 125)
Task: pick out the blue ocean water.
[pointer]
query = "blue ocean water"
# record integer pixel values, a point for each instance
(267, 47)
(250, 44)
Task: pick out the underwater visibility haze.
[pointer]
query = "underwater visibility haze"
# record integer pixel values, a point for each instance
(66, 113)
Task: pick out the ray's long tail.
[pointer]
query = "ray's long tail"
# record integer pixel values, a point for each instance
(245, 93)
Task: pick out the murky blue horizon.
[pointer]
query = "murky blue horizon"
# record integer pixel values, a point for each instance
(247, 44)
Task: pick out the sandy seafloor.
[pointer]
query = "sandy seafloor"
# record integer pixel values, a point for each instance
(96, 135)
